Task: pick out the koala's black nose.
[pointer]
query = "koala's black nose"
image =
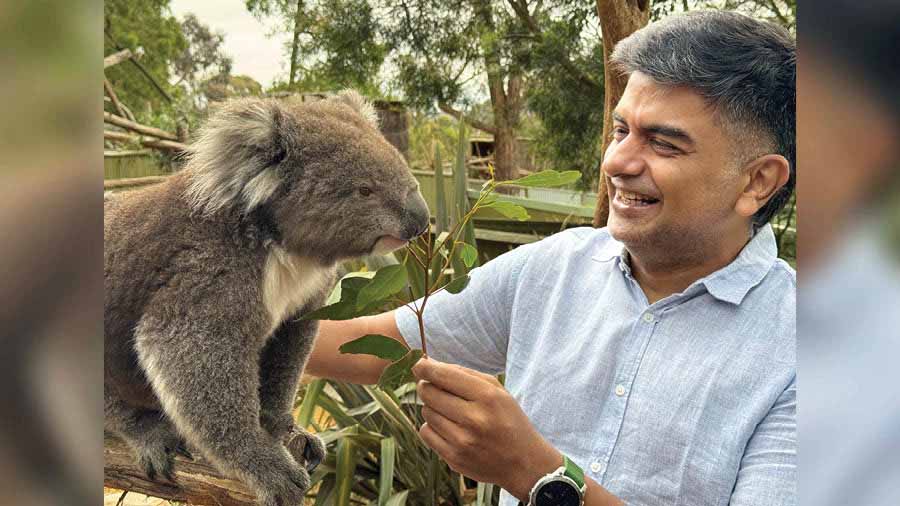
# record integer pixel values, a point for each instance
(417, 217)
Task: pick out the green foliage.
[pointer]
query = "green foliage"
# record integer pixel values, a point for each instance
(569, 106)
(150, 26)
(386, 462)
(400, 371)
(337, 45)
(373, 344)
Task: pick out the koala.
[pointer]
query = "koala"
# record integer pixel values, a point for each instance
(206, 276)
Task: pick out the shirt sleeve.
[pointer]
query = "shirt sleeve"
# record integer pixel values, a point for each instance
(471, 328)
(768, 473)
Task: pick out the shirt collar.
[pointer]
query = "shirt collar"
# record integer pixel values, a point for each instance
(730, 283)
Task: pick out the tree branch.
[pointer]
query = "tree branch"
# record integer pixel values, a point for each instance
(474, 123)
(115, 100)
(521, 10)
(198, 482)
(116, 58)
(136, 127)
(150, 143)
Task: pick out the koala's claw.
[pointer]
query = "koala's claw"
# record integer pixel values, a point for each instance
(307, 448)
(156, 455)
(285, 484)
(181, 449)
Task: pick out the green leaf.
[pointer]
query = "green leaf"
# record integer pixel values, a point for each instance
(508, 209)
(343, 474)
(387, 281)
(325, 494)
(309, 402)
(345, 309)
(468, 253)
(458, 284)
(386, 476)
(399, 372)
(375, 344)
(546, 178)
(398, 499)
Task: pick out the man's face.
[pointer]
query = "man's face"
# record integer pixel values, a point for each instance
(673, 183)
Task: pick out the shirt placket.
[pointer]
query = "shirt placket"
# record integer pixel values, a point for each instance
(616, 402)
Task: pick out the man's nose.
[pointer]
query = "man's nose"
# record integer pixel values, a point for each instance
(624, 158)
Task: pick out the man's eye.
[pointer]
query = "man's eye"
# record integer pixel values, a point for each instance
(665, 146)
(365, 191)
(619, 133)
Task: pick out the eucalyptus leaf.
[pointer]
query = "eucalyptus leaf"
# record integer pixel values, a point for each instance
(546, 178)
(458, 284)
(387, 281)
(399, 372)
(375, 344)
(468, 253)
(345, 309)
(508, 209)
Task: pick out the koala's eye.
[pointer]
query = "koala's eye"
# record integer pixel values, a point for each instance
(365, 191)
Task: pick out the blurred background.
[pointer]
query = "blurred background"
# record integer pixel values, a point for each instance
(186, 56)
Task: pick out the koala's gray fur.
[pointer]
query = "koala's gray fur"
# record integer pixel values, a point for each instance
(207, 273)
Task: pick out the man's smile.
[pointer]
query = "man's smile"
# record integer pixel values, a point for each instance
(629, 204)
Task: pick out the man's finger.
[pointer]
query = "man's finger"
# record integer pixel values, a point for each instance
(449, 430)
(443, 402)
(450, 378)
(434, 441)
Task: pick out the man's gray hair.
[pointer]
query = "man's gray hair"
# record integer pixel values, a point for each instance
(746, 69)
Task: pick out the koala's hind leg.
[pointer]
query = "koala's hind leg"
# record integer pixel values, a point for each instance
(205, 373)
(149, 434)
(281, 365)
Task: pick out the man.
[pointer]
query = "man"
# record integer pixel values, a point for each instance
(656, 355)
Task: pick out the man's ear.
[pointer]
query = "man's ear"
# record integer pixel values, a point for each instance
(762, 178)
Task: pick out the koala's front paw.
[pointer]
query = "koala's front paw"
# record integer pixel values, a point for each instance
(156, 453)
(280, 481)
(306, 448)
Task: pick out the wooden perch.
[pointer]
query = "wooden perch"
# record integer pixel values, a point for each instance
(197, 481)
(137, 127)
(123, 111)
(117, 58)
(150, 143)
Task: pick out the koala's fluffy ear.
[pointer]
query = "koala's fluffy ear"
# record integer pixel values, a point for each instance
(234, 161)
(359, 104)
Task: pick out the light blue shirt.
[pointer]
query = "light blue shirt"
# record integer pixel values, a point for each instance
(688, 401)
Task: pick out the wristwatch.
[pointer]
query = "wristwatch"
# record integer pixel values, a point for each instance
(563, 487)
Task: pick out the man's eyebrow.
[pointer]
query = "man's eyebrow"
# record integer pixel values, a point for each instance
(664, 130)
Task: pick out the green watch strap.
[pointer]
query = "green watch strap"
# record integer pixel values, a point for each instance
(573, 471)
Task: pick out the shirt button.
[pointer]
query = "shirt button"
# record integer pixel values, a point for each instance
(620, 390)
(596, 467)
(648, 317)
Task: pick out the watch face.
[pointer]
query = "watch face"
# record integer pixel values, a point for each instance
(557, 493)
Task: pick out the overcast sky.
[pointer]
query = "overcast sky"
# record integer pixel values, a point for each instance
(253, 53)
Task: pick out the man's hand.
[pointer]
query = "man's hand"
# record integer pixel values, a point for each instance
(476, 426)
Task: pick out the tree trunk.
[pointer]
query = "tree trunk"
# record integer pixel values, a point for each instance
(505, 155)
(295, 44)
(618, 19)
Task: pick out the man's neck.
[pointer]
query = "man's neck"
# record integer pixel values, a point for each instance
(659, 279)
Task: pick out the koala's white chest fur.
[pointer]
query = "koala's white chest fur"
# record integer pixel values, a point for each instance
(289, 281)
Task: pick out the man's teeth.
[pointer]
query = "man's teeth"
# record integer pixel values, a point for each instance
(634, 198)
